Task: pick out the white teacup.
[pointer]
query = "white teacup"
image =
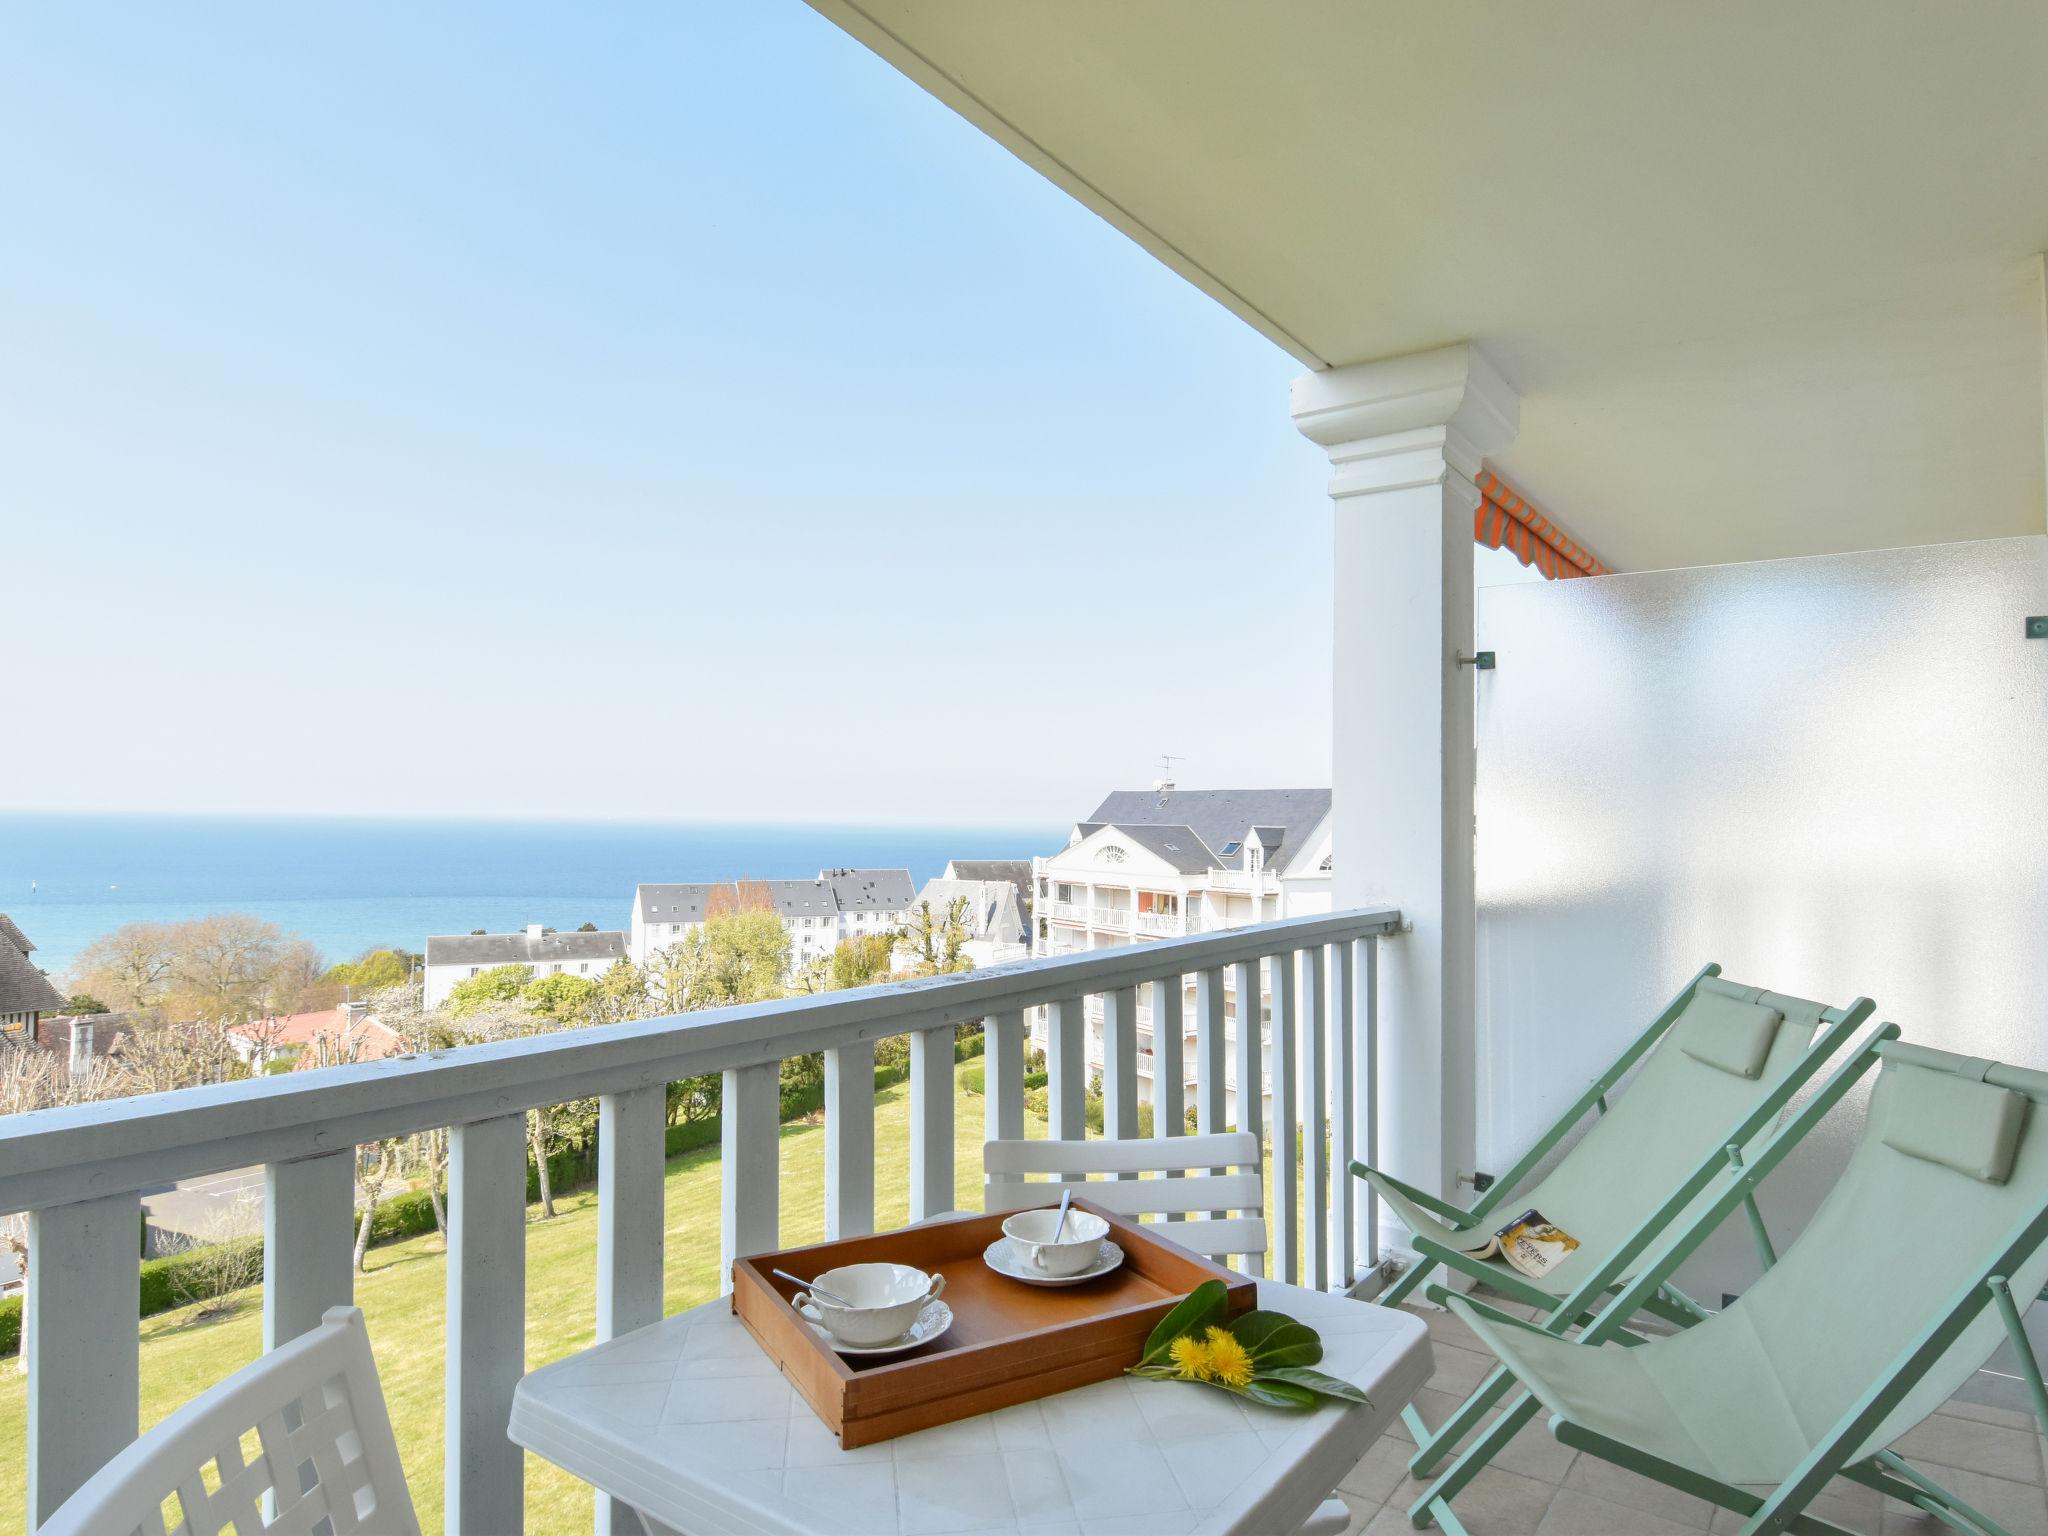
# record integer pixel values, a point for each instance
(1079, 1247)
(886, 1299)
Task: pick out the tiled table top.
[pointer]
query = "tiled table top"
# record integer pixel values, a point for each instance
(689, 1422)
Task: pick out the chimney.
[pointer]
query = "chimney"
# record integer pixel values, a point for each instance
(533, 932)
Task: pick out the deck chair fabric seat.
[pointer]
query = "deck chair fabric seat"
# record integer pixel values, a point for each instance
(1747, 1394)
(1678, 1108)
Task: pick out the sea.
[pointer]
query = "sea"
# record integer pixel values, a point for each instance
(352, 884)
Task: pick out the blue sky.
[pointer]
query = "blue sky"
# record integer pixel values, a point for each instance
(658, 411)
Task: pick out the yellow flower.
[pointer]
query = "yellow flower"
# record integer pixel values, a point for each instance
(1190, 1358)
(1228, 1362)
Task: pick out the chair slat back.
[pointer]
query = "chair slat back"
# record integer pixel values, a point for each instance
(1232, 1202)
(305, 1425)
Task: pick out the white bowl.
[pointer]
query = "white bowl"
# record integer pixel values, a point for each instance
(1079, 1247)
(885, 1300)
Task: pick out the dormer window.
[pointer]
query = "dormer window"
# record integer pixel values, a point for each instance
(1231, 847)
(1253, 856)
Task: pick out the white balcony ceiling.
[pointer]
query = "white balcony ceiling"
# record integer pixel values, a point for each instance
(1765, 275)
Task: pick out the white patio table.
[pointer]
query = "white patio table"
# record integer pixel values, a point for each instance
(689, 1422)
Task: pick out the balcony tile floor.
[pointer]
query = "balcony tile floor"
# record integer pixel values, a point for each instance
(1537, 1487)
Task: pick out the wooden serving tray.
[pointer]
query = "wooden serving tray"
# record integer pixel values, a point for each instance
(1010, 1342)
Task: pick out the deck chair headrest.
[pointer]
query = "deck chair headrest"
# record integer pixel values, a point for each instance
(1957, 1119)
(1728, 1027)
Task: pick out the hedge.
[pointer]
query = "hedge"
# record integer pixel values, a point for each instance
(412, 1213)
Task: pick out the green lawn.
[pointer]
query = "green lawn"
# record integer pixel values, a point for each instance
(403, 1296)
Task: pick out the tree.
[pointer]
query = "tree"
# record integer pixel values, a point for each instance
(373, 970)
(225, 966)
(862, 961)
(735, 956)
(935, 939)
(158, 1058)
(564, 999)
(220, 1259)
(84, 1002)
(132, 965)
(586, 928)
(501, 984)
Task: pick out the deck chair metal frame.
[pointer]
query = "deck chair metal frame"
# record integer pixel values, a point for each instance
(1835, 1453)
(1666, 1301)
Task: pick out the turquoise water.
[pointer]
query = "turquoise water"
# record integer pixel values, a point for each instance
(351, 884)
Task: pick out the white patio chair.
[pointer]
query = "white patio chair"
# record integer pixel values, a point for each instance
(1200, 1192)
(304, 1425)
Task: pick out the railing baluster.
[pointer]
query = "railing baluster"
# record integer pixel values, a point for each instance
(1120, 1066)
(484, 1473)
(1343, 1094)
(80, 1343)
(1003, 1078)
(308, 1258)
(1210, 1041)
(850, 1140)
(1365, 1092)
(1066, 1068)
(749, 1197)
(1249, 1047)
(1315, 1175)
(931, 1122)
(631, 1134)
(1169, 1072)
(1286, 1218)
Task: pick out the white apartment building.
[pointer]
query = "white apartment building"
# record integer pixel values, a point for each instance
(457, 957)
(839, 904)
(1158, 863)
(997, 915)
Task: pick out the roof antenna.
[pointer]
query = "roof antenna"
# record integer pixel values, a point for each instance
(1163, 785)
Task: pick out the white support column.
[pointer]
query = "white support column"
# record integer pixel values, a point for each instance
(1343, 1056)
(1248, 1045)
(931, 1122)
(1406, 437)
(1003, 1076)
(1285, 1221)
(1066, 1068)
(850, 1140)
(308, 1258)
(631, 1136)
(484, 1473)
(749, 1197)
(79, 1343)
(1169, 1069)
(1315, 1100)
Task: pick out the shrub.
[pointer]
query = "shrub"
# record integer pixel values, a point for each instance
(975, 1079)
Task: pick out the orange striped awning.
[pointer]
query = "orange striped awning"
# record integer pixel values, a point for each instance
(1506, 521)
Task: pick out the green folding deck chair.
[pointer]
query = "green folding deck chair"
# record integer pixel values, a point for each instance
(1900, 1288)
(1718, 1066)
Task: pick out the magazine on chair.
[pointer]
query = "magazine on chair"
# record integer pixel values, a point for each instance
(1529, 1243)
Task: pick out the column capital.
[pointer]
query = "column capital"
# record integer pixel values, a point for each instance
(1406, 421)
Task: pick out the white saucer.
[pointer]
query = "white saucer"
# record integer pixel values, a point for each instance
(1002, 1258)
(934, 1320)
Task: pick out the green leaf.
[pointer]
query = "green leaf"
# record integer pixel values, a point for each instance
(1153, 1372)
(1276, 1394)
(1191, 1314)
(1274, 1339)
(1317, 1382)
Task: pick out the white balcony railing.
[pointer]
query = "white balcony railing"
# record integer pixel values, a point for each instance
(78, 1172)
(1159, 922)
(1112, 917)
(1070, 911)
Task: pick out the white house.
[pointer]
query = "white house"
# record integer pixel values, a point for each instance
(997, 916)
(452, 958)
(1163, 862)
(838, 904)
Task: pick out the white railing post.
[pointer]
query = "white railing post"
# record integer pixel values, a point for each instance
(1249, 1047)
(1210, 1041)
(931, 1122)
(1169, 1068)
(1066, 1068)
(1003, 1078)
(80, 1344)
(1315, 1103)
(850, 1140)
(1343, 1111)
(1286, 1119)
(1365, 1088)
(631, 1156)
(484, 1473)
(749, 1203)
(1120, 1065)
(308, 1258)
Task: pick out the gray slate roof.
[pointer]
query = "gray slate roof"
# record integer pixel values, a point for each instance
(1220, 816)
(1179, 846)
(495, 949)
(1016, 871)
(993, 909)
(23, 988)
(834, 891)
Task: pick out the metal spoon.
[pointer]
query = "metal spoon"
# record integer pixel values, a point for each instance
(1066, 1199)
(814, 1288)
